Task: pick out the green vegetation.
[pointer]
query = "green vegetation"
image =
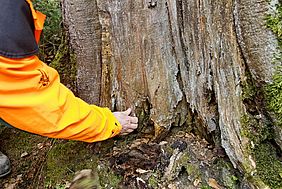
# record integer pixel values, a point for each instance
(154, 180)
(254, 129)
(108, 179)
(65, 63)
(66, 158)
(274, 22)
(274, 90)
(274, 95)
(53, 31)
(249, 89)
(23, 142)
(268, 166)
(206, 187)
(54, 45)
(229, 179)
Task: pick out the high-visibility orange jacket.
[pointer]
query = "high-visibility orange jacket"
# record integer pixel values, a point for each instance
(33, 99)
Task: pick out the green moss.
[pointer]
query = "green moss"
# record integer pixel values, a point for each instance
(274, 90)
(153, 181)
(193, 170)
(65, 63)
(19, 143)
(66, 158)
(254, 129)
(108, 179)
(59, 186)
(227, 173)
(206, 187)
(274, 22)
(248, 88)
(269, 168)
(274, 96)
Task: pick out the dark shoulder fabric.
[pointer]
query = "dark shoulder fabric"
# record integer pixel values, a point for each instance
(16, 29)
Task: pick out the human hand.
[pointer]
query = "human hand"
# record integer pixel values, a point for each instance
(128, 123)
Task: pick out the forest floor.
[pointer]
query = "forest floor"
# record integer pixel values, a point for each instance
(181, 160)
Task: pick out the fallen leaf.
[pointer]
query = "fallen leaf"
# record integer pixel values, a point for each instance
(163, 143)
(253, 163)
(40, 146)
(140, 179)
(24, 154)
(141, 171)
(172, 186)
(196, 182)
(213, 183)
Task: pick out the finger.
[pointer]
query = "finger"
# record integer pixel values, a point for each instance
(133, 119)
(129, 130)
(133, 126)
(124, 134)
(128, 111)
(130, 126)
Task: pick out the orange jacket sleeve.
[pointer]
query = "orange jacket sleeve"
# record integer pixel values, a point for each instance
(34, 100)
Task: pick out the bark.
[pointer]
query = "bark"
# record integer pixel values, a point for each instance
(84, 28)
(177, 61)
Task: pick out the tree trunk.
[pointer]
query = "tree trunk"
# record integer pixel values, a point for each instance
(200, 64)
(85, 36)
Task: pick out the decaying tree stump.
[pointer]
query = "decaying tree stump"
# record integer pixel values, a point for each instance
(182, 63)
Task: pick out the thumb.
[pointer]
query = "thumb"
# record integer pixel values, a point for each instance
(128, 111)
